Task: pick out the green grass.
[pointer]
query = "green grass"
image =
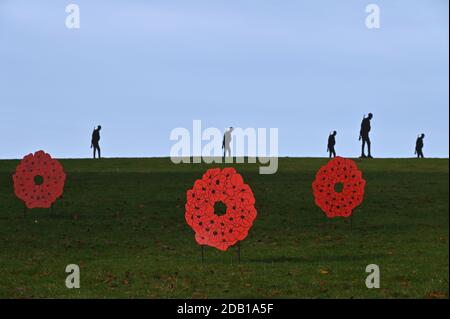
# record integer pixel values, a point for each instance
(122, 221)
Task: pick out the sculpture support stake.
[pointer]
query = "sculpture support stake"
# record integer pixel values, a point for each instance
(239, 252)
(203, 258)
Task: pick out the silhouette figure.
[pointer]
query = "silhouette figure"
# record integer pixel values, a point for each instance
(227, 142)
(95, 140)
(419, 146)
(364, 135)
(331, 143)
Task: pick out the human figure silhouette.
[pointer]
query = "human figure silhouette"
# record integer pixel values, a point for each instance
(95, 140)
(364, 135)
(419, 146)
(226, 144)
(331, 143)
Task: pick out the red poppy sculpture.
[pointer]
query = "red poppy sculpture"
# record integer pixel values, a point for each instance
(226, 186)
(332, 200)
(39, 180)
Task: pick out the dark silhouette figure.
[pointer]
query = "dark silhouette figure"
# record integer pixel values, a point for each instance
(95, 140)
(226, 144)
(364, 135)
(419, 146)
(331, 143)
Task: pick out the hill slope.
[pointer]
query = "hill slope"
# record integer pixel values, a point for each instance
(122, 221)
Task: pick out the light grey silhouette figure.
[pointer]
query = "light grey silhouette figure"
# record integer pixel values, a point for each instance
(226, 144)
(419, 146)
(95, 141)
(331, 143)
(364, 135)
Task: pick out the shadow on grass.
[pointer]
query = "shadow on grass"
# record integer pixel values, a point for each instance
(317, 259)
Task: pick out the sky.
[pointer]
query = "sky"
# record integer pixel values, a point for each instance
(143, 68)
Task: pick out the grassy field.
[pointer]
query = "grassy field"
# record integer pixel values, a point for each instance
(122, 221)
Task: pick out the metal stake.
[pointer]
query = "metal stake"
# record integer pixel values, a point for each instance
(202, 253)
(239, 252)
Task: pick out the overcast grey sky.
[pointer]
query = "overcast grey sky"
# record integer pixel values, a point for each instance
(142, 68)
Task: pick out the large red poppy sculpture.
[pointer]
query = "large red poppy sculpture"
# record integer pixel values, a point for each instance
(332, 199)
(39, 180)
(226, 186)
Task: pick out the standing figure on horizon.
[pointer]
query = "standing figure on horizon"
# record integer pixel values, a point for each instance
(95, 140)
(331, 143)
(419, 146)
(364, 135)
(226, 144)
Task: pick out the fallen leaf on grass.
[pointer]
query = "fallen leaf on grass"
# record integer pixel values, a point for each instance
(167, 247)
(21, 289)
(436, 294)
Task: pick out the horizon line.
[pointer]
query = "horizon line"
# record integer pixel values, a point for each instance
(234, 157)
